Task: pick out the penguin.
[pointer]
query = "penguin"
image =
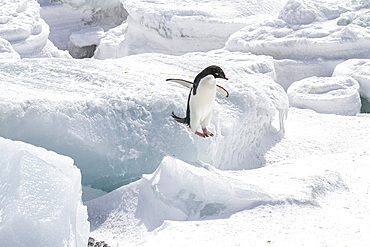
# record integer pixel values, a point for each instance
(201, 99)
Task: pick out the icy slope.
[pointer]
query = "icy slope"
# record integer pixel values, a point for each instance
(40, 199)
(309, 30)
(313, 191)
(21, 25)
(113, 117)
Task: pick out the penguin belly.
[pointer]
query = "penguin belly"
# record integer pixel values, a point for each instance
(201, 104)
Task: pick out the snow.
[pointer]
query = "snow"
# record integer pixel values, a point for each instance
(22, 26)
(359, 70)
(312, 190)
(186, 26)
(40, 200)
(337, 95)
(263, 179)
(106, 117)
(307, 30)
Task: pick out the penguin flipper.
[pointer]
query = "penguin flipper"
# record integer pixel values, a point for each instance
(185, 83)
(222, 91)
(184, 120)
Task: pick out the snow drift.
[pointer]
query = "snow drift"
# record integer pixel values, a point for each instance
(309, 30)
(337, 95)
(358, 69)
(179, 27)
(40, 199)
(21, 25)
(113, 117)
(179, 191)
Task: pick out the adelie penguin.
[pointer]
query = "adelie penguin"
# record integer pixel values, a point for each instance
(201, 99)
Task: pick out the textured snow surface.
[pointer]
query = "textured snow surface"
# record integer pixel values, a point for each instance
(185, 26)
(113, 117)
(359, 69)
(313, 187)
(308, 30)
(337, 95)
(21, 25)
(40, 199)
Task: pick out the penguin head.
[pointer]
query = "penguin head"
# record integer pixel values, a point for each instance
(216, 71)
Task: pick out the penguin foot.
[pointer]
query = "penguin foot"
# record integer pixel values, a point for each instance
(200, 134)
(207, 132)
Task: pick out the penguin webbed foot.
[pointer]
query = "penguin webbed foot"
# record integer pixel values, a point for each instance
(206, 133)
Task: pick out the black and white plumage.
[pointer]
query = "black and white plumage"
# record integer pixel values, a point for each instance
(201, 99)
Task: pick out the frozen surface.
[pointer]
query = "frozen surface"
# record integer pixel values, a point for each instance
(359, 69)
(113, 117)
(185, 26)
(21, 25)
(7, 51)
(309, 30)
(40, 199)
(336, 95)
(313, 191)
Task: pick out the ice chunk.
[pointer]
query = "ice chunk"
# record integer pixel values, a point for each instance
(359, 69)
(113, 117)
(40, 199)
(308, 30)
(175, 191)
(7, 51)
(22, 26)
(196, 193)
(87, 36)
(337, 95)
(289, 70)
(180, 27)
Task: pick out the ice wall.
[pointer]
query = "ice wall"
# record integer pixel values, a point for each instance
(40, 199)
(113, 117)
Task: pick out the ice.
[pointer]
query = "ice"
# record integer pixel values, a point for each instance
(309, 30)
(7, 51)
(22, 26)
(178, 191)
(113, 117)
(180, 27)
(359, 69)
(40, 199)
(336, 95)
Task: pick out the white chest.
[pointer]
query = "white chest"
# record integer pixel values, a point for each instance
(204, 99)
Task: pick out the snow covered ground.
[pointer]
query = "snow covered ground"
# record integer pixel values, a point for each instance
(313, 190)
(261, 180)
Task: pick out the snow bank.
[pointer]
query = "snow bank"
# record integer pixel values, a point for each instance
(337, 95)
(40, 199)
(309, 30)
(7, 51)
(178, 191)
(113, 117)
(359, 69)
(22, 26)
(179, 27)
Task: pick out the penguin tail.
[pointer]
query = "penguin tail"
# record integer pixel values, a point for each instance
(180, 120)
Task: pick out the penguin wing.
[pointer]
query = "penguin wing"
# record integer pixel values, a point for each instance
(189, 84)
(182, 82)
(222, 91)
